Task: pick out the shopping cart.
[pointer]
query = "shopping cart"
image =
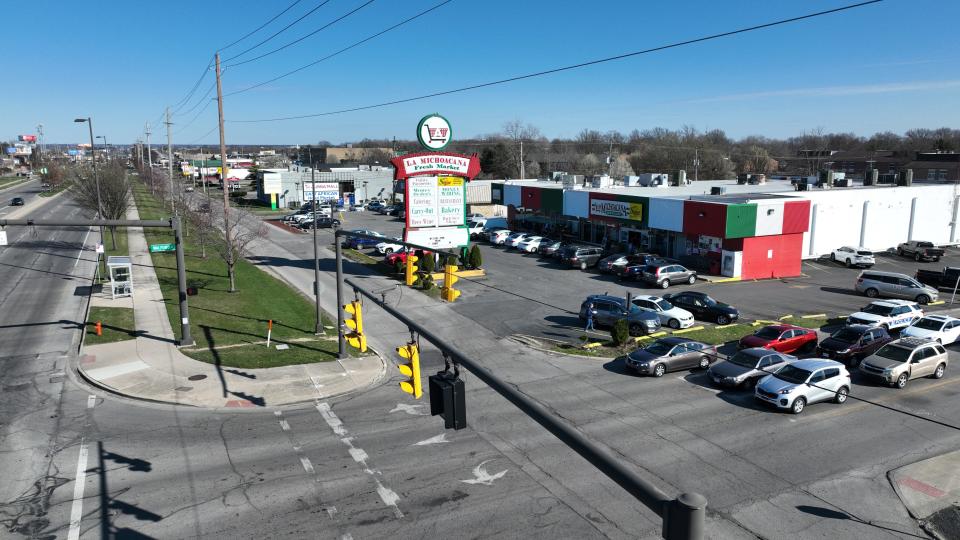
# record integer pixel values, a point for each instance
(437, 134)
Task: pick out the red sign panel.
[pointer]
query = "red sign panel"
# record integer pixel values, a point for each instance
(435, 163)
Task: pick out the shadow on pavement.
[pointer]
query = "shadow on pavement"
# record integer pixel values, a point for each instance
(110, 506)
(828, 513)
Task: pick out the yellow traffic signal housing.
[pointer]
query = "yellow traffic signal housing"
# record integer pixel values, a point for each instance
(412, 268)
(448, 293)
(355, 338)
(411, 369)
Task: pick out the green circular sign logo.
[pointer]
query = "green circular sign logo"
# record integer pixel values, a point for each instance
(434, 132)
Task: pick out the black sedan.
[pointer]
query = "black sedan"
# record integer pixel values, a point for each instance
(704, 307)
(17, 201)
(322, 223)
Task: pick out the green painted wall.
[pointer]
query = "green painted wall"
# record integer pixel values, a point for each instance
(741, 220)
(551, 201)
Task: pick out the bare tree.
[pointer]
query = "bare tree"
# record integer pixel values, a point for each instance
(758, 161)
(245, 229)
(620, 166)
(111, 195)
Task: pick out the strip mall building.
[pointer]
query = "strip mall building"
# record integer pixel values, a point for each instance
(748, 231)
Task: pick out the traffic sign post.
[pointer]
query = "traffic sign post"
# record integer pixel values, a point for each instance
(159, 248)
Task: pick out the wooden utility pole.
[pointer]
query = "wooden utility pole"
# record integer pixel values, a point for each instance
(223, 179)
(173, 205)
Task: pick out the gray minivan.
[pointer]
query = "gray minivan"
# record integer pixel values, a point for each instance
(893, 285)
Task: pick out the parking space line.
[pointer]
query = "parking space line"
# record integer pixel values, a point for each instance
(714, 390)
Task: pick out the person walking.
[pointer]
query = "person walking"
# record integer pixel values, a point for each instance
(589, 318)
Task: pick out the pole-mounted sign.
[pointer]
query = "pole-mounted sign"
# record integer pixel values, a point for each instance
(434, 132)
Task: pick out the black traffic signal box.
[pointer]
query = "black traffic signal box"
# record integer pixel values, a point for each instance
(447, 399)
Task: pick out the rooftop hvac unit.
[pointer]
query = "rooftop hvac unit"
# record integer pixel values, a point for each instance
(717, 190)
(841, 182)
(802, 186)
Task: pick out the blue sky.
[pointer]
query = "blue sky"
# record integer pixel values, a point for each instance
(888, 66)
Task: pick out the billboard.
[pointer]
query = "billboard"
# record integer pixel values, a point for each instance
(27, 138)
(325, 191)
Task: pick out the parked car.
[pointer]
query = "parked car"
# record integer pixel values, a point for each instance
(670, 354)
(16, 201)
(530, 244)
(474, 216)
(389, 246)
(514, 239)
(607, 310)
(360, 243)
(322, 223)
(375, 206)
(853, 343)
(785, 338)
(349, 241)
(853, 256)
(939, 328)
(670, 315)
(921, 251)
(704, 307)
(904, 359)
(748, 366)
(893, 285)
(299, 219)
(549, 247)
(581, 257)
(400, 256)
(948, 278)
(498, 236)
(803, 383)
(634, 267)
(385, 210)
(887, 314)
(664, 275)
(610, 263)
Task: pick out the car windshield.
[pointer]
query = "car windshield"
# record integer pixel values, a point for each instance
(846, 335)
(792, 374)
(658, 348)
(928, 324)
(663, 304)
(864, 253)
(924, 244)
(876, 309)
(768, 333)
(743, 359)
(893, 352)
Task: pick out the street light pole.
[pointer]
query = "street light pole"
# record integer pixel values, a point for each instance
(96, 175)
(316, 255)
(106, 147)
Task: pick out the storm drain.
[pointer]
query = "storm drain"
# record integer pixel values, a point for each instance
(196, 377)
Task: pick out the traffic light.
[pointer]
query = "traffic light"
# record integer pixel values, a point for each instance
(355, 338)
(448, 399)
(411, 352)
(412, 268)
(449, 278)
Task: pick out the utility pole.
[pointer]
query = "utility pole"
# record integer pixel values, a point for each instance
(223, 177)
(316, 255)
(522, 171)
(173, 205)
(40, 136)
(696, 164)
(149, 151)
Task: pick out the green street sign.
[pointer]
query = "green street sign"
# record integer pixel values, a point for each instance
(154, 248)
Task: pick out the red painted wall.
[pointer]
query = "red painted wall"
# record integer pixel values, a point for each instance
(530, 197)
(796, 216)
(785, 261)
(712, 223)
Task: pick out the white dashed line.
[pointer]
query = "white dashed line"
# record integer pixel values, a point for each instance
(284, 425)
(307, 466)
(91, 401)
(76, 509)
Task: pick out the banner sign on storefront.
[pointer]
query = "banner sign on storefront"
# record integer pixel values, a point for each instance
(616, 209)
(427, 163)
(325, 191)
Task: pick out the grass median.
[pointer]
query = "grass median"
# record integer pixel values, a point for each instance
(117, 325)
(230, 329)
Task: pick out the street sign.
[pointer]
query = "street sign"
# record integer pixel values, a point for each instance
(155, 248)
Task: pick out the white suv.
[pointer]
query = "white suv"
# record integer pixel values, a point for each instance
(796, 385)
(853, 256)
(889, 314)
(669, 314)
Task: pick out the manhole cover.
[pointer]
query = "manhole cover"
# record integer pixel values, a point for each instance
(196, 377)
(183, 389)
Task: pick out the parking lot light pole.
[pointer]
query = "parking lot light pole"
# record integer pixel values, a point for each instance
(316, 254)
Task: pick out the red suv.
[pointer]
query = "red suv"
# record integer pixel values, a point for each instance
(784, 338)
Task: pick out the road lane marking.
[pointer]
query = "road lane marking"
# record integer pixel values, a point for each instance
(714, 390)
(76, 509)
(439, 439)
(284, 425)
(307, 466)
(91, 401)
(82, 246)
(481, 476)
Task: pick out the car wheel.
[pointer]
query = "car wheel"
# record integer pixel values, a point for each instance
(674, 323)
(664, 284)
(871, 293)
(722, 320)
(704, 362)
(938, 373)
(900, 252)
(849, 264)
(841, 395)
(901, 381)
(635, 329)
(917, 257)
(798, 405)
(923, 299)
(692, 280)
(388, 251)
(659, 370)
(583, 265)
(833, 256)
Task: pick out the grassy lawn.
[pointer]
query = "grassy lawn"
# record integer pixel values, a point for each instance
(8, 180)
(53, 191)
(117, 325)
(121, 237)
(377, 265)
(220, 318)
(815, 322)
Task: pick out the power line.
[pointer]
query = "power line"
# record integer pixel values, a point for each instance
(198, 139)
(194, 119)
(573, 66)
(275, 17)
(298, 40)
(202, 99)
(343, 50)
(278, 32)
(183, 102)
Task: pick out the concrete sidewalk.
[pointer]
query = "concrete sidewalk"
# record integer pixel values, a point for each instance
(152, 368)
(929, 487)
